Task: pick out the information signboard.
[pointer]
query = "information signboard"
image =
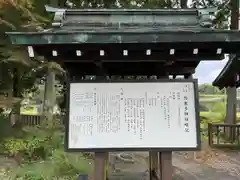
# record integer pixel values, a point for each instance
(157, 115)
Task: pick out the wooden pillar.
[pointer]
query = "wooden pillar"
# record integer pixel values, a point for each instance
(231, 91)
(231, 114)
(100, 164)
(101, 158)
(153, 162)
(165, 159)
(231, 105)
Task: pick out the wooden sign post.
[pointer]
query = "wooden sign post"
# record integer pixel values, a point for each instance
(127, 115)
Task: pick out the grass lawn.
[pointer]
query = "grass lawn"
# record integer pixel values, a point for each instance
(215, 116)
(212, 96)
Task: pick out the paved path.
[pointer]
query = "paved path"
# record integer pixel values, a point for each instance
(217, 167)
(222, 168)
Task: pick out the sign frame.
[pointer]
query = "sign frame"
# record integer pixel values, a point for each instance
(197, 116)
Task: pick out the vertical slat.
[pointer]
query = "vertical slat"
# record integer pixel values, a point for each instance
(218, 135)
(23, 119)
(37, 120)
(210, 134)
(34, 120)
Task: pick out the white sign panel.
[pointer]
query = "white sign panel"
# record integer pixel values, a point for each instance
(132, 115)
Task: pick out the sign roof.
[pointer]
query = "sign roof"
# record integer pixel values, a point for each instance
(169, 40)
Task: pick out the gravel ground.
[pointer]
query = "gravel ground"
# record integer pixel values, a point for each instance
(223, 166)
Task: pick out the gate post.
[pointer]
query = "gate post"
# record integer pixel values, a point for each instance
(165, 161)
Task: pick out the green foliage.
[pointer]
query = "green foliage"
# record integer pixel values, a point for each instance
(207, 89)
(42, 147)
(6, 129)
(22, 15)
(34, 142)
(63, 166)
(26, 149)
(14, 146)
(220, 107)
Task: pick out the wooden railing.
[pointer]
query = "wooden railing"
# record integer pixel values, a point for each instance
(224, 135)
(29, 120)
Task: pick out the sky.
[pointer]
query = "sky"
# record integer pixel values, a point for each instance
(207, 71)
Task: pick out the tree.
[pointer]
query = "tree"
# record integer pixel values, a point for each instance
(26, 15)
(14, 62)
(209, 89)
(23, 15)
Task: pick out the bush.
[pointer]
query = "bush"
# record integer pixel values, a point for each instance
(34, 143)
(45, 144)
(6, 129)
(60, 166)
(25, 149)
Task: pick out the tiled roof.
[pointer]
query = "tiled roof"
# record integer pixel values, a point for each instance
(158, 40)
(229, 77)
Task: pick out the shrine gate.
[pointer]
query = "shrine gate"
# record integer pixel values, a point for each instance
(159, 44)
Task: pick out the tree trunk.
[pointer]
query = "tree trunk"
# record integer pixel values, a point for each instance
(183, 3)
(16, 92)
(234, 14)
